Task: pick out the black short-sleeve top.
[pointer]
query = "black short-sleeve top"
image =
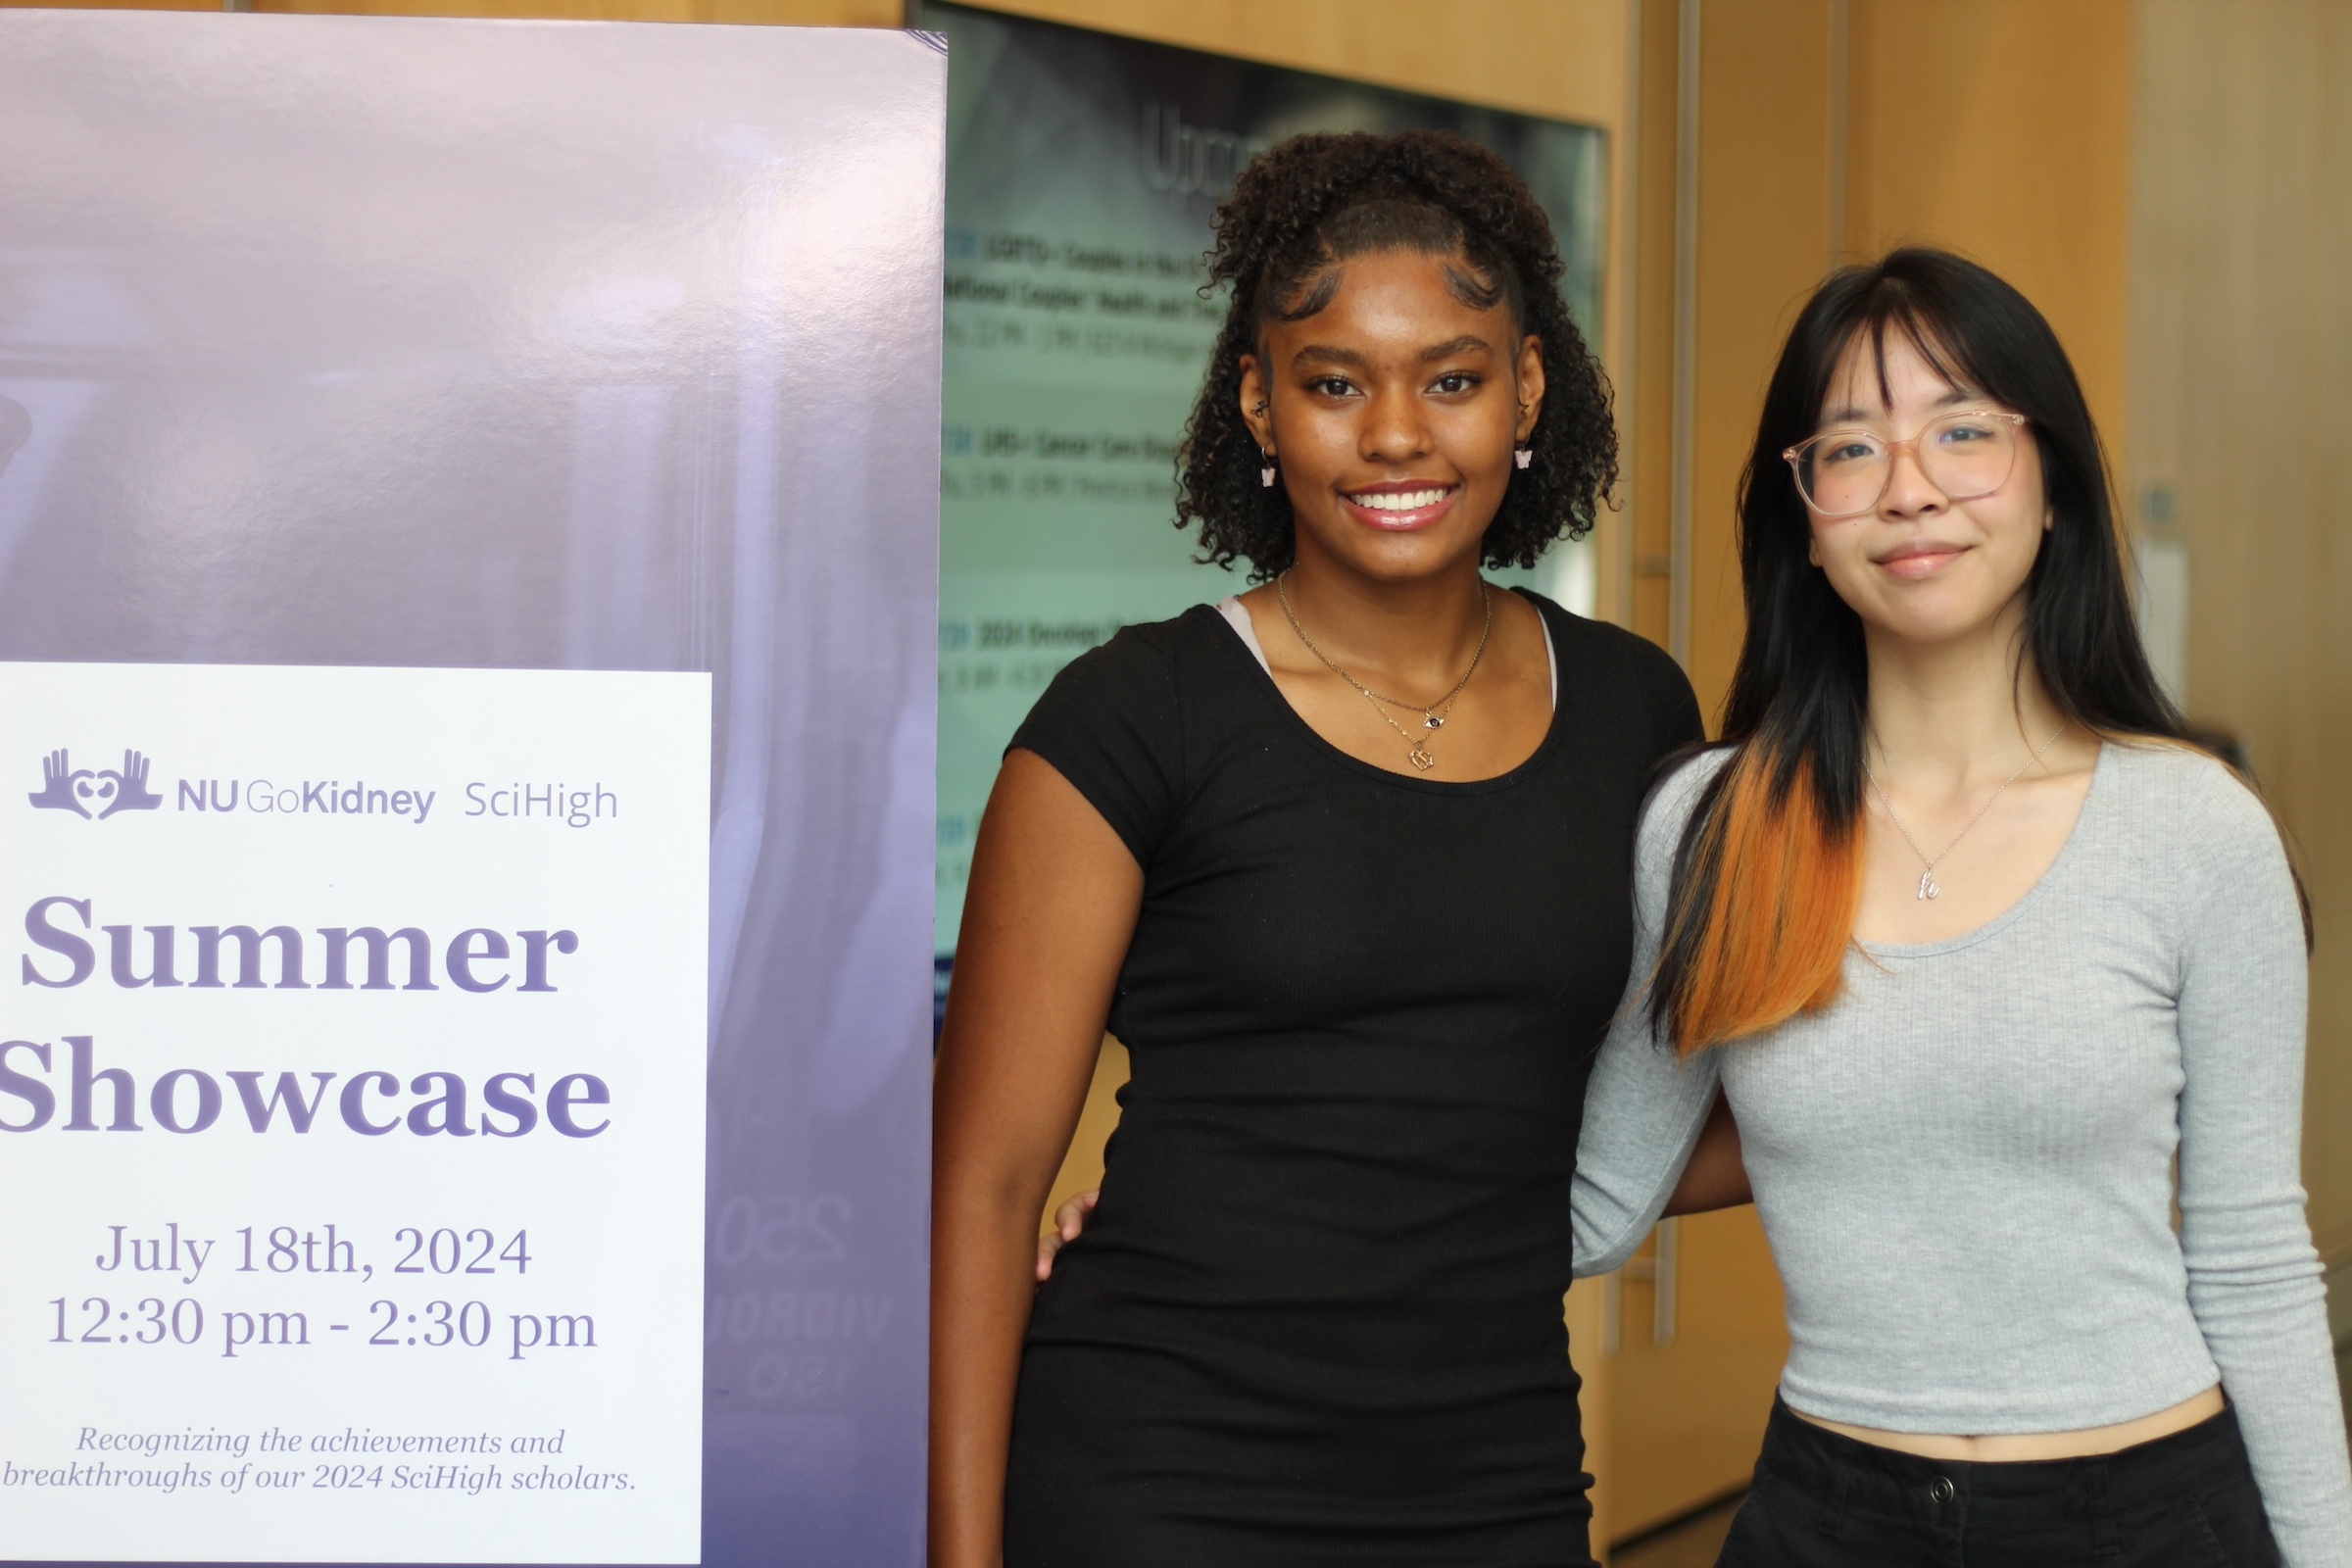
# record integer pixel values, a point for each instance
(1360, 1009)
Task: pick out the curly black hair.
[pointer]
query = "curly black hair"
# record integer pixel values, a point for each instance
(1310, 201)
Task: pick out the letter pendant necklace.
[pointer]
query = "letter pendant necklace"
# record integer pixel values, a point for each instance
(1432, 716)
(1928, 888)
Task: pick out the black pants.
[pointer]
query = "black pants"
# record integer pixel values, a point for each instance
(1822, 1501)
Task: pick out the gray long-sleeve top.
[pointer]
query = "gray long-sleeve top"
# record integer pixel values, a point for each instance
(1964, 1165)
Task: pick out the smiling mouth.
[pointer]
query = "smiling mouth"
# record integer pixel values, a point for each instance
(1921, 559)
(1402, 500)
(1402, 507)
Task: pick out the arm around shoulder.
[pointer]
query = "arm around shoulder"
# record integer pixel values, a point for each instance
(1646, 1106)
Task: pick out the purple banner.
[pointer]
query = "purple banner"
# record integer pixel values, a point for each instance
(433, 361)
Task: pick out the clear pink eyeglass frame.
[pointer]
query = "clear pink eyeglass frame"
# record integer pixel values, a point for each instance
(1795, 458)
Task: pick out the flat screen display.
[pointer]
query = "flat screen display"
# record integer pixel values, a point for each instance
(1083, 170)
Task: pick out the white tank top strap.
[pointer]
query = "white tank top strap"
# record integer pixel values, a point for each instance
(1237, 616)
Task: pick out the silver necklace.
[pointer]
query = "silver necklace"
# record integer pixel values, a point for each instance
(1928, 888)
(1433, 714)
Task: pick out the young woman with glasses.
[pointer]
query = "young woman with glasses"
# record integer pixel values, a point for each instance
(1994, 967)
(1346, 863)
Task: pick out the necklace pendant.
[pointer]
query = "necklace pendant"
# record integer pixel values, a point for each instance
(1421, 759)
(1927, 885)
(1432, 721)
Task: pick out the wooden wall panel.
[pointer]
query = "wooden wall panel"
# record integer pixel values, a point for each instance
(1645, 405)
(2241, 408)
(1764, 135)
(1564, 58)
(2002, 129)
(1687, 1417)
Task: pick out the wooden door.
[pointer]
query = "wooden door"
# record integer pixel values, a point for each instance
(1690, 1343)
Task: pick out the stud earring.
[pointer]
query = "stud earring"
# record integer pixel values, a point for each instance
(1523, 456)
(1266, 475)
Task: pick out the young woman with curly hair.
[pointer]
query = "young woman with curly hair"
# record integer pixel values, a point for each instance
(1346, 861)
(2004, 979)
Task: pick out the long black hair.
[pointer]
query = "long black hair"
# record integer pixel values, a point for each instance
(1767, 874)
(1308, 202)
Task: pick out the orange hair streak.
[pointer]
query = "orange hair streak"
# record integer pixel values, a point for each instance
(1774, 886)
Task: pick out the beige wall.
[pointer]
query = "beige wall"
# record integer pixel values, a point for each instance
(2242, 402)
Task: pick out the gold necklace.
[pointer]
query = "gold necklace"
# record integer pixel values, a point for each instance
(1433, 714)
(1928, 887)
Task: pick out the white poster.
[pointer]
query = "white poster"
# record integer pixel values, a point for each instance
(352, 1108)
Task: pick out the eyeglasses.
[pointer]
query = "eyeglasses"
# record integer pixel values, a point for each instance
(1844, 473)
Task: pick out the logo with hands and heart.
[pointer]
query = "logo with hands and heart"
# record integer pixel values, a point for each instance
(67, 788)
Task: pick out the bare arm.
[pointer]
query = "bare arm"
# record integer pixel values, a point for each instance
(1715, 1177)
(1050, 908)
